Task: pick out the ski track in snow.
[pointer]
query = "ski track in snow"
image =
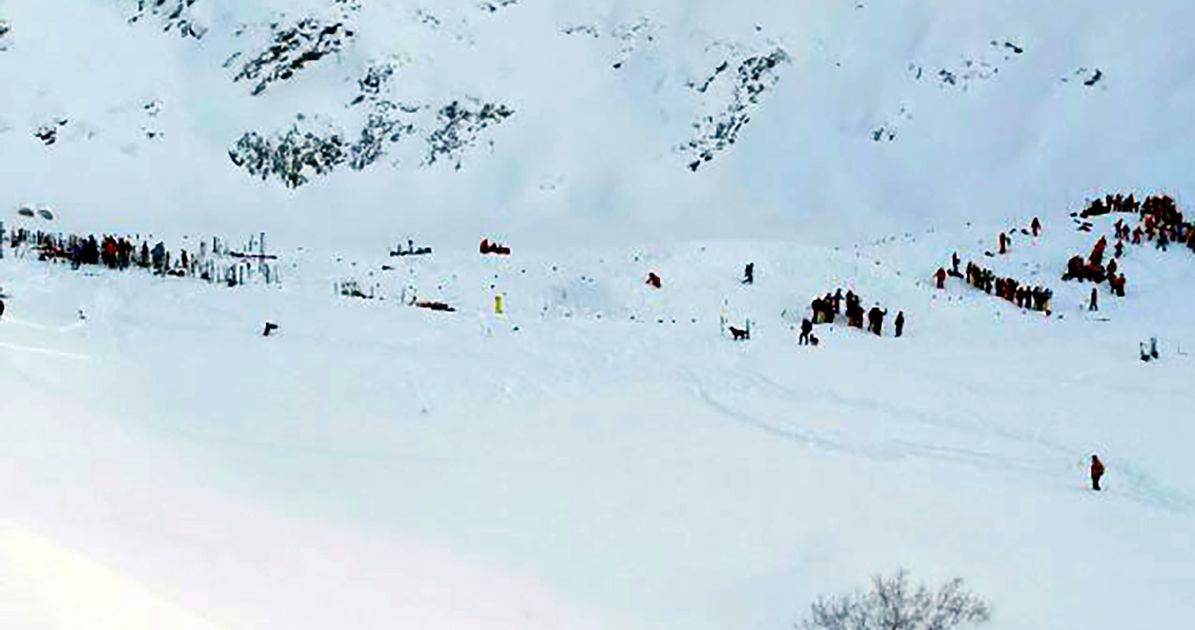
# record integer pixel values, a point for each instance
(743, 387)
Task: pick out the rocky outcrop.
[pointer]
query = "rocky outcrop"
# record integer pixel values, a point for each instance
(752, 77)
(175, 16)
(460, 124)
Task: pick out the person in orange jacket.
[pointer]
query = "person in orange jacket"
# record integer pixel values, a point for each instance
(1097, 472)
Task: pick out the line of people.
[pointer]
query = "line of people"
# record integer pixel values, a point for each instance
(120, 253)
(1024, 296)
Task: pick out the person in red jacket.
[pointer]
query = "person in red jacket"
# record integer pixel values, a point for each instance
(653, 280)
(940, 278)
(1097, 472)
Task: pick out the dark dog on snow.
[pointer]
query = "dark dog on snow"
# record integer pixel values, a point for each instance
(740, 334)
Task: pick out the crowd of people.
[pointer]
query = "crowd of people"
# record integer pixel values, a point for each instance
(828, 308)
(121, 253)
(1158, 222)
(1093, 269)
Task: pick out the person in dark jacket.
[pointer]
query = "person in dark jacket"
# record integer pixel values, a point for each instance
(1094, 305)
(806, 331)
(875, 320)
(900, 323)
(749, 274)
(1097, 472)
(1, 308)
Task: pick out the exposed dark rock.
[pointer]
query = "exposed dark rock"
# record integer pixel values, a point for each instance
(458, 128)
(294, 46)
(292, 157)
(48, 133)
(493, 6)
(175, 15)
(716, 133)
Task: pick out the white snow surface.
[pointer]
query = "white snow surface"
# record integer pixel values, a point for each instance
(374, 465)
(600, 456)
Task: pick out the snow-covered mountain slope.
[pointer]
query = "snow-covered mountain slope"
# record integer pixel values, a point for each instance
(820, 119)
(600, 456)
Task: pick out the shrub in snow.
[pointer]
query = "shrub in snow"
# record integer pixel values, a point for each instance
(894, 604)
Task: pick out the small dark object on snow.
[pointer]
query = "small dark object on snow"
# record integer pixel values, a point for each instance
(26, 212)
(488, 247)
(435, 306)
(740, 334)
(1149, 351)
(1097, 472)
(270, 327)
(45, 214)
(1, 308)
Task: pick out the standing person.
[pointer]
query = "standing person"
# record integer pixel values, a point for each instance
(875, 321)
(1097, 472)
(1, 309)
(1036, 227)
(954, 261)
(749, 274)
(900, 324)
(806, 331)
(940, 278)
(1094, 305)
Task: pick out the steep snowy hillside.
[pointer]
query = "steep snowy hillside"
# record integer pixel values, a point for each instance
(355, 119)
